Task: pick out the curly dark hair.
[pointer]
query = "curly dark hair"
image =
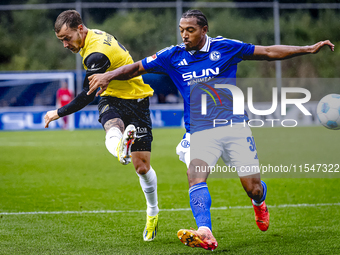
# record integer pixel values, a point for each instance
(200, 17)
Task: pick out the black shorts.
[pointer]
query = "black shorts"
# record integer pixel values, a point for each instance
(131, 111)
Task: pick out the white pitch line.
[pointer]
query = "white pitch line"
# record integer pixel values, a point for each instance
(168, 210)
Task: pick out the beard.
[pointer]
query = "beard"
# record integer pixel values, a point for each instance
(75, 49)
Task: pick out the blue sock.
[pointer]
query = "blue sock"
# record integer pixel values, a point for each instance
(264, 193)
(200, 202)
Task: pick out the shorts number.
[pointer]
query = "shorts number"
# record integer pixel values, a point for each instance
(251, 140)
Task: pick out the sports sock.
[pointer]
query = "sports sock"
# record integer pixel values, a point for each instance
(112, 139)
(148, 182)
(200, 202)
(258, 203)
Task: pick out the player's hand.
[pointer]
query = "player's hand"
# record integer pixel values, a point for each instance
(51, 116)
(317, 47)
(96, 81)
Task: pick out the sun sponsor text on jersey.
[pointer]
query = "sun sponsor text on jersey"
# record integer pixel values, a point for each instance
(200, 76)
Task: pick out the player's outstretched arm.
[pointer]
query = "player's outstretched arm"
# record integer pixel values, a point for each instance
(51, 116)
(122, 73)
(280, 52)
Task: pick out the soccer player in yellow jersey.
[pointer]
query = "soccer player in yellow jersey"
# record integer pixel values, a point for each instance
(123, 104)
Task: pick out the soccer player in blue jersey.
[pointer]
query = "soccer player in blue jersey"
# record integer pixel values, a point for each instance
(198, 64)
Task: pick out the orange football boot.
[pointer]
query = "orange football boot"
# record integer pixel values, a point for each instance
(198, 238)
(262, 216)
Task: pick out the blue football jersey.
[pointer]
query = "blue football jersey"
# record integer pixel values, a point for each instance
(195, 74)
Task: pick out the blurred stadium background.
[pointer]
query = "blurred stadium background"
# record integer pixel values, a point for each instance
(63, 193)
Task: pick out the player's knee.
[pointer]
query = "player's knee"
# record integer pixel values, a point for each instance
(141, 161)
(142, 169)
(142, 166)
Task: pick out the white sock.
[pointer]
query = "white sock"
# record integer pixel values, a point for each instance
(148, 182)
(203, 227)
(112, 139)
(257, 204)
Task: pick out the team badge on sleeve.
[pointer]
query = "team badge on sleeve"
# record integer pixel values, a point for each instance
(151, 58)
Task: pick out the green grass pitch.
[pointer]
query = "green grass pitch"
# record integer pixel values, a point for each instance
(62, 171)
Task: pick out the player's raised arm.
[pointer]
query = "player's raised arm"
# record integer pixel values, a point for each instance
(122, 73)
(95, 62)
(280, 52)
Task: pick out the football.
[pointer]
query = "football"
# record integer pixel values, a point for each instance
(328, 111)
